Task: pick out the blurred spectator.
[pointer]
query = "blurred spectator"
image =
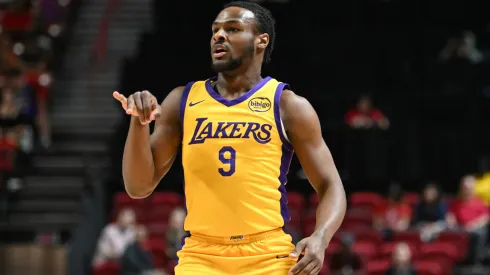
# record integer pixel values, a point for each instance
(393, 214)
(175, 232)
(115, 238)
(25, 97)
(430, 213)
(345, 261)
(366, 116)
(12, 124)
(463, 47)
(38, 78)
(457, 72)
(137, 258)
(402, 261)
(470, 214)
(8, 59)
(19, 17)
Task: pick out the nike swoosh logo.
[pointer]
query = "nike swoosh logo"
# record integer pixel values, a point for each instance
(281, 257)
(195, 103)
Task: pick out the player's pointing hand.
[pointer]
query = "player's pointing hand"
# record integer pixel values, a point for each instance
(314, 253)
(140, 104)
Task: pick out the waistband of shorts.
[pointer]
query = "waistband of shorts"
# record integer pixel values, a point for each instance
(239, 239)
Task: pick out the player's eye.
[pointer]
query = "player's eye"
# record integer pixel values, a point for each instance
(233, 30)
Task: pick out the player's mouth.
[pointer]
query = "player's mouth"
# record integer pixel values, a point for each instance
(219, 51)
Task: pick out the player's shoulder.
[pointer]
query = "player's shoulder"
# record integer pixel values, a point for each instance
(291, 101)
(173, 98)
(296, 111)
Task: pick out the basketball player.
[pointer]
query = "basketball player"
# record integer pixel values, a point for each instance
(238, 132)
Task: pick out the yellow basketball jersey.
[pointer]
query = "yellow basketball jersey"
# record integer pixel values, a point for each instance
(236, 157)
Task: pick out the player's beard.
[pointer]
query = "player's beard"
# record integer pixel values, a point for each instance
(233, 63)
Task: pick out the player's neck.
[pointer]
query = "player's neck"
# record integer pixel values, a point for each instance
(237, 83)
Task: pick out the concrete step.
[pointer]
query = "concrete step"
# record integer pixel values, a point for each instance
(45, 206)
(96, 132)
(61, 165)
(43, 221)
(79, 148)
(94, 115)
(52, 188)
(84, 124)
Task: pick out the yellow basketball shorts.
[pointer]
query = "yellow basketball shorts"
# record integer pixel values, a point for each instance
(259, 254)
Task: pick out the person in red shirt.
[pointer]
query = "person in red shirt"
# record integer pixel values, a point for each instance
(365, 116)
(470, 214)
(393, 214)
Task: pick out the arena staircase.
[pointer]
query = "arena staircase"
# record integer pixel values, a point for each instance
(83, 117)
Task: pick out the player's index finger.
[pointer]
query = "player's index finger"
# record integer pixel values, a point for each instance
(119, 97)
(300, 265)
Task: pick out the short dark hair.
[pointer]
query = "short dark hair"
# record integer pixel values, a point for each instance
(265, 23)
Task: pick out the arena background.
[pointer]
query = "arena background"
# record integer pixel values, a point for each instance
(61, 177)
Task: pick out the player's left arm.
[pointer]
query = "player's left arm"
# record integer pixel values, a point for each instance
(304, 132)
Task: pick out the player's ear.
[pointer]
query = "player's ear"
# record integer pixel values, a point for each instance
(262, 41)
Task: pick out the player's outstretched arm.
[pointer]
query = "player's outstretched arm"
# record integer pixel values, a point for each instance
(147, 158)
(304, 131)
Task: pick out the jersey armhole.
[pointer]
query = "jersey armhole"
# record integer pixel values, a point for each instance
(277, 116)
(183, 102)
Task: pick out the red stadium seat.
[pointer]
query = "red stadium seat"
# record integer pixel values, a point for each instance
(378, 267)
(158, 214)
(336, 238)
(368, 200)
(366, 249)
(157, 230)
(355, 225)
(158, 249)
(167, 198)
(297, 215)
(332, 249)
(123, 200)
(171, 266)
(427, 267)
(411, 198)
(460, 240)
(313, 198)
(359, 211)
(443, 249)
(359, 217)
(409, 237)
(368, 235)
(385, 251)
(309, 227)
(107, 269)
(296, 200)
(325, 270)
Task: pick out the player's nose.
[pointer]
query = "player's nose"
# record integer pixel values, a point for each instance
(219, 35)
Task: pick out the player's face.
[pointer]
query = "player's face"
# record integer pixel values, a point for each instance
(233, 42)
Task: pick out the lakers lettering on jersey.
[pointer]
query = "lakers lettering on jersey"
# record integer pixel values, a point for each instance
(236, 157)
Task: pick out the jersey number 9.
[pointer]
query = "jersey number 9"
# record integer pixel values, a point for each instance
(227, 159)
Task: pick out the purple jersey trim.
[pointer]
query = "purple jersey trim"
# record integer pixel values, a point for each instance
(240, 99)
(277, 115)
(183, 102)
(287, 155)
